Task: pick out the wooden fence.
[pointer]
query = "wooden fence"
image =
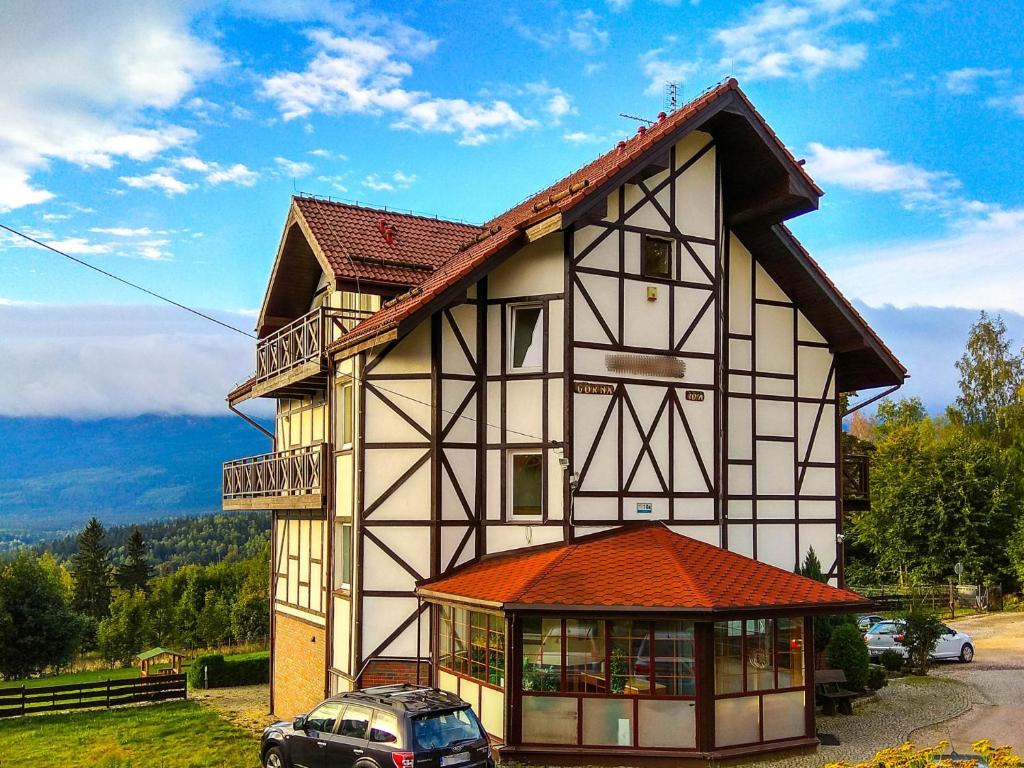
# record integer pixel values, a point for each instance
(15, 702)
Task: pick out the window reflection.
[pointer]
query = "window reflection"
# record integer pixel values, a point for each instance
(542, 654)
(728, 657)
(584, 655)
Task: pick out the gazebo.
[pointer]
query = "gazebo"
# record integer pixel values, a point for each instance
(159, 656)
(634, 641)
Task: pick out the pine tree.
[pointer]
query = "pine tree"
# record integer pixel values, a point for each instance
(812, 566)
(92, 571)
(135, 573)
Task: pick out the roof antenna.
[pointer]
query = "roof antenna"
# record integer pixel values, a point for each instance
(671, 97)
(638, 119)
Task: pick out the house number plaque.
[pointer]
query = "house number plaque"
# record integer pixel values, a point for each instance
(590, 388)
(695, 396)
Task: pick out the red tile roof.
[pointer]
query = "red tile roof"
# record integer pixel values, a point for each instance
(642, 566)
(506, 230)
(511, 223)
(381, 246)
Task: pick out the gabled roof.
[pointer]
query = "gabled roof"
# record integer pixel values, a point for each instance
(381, 246)
(760, 176)
(374, 248)
(643, 566)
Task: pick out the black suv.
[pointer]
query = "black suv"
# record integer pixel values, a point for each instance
(389, 726)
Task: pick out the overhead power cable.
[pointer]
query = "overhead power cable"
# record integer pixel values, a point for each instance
(129, 283)
(230, 327)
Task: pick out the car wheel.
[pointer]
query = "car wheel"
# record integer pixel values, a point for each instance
(967, 653)
(273, 758)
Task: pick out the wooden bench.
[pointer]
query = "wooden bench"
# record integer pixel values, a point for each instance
(829, 686)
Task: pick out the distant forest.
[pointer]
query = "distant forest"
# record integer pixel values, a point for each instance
(173, 543)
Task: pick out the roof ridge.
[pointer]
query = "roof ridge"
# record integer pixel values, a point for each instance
(566, 549)
(681, 567)
(383, 209)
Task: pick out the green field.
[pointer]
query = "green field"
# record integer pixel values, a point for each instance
(179, 734)
(100, 675)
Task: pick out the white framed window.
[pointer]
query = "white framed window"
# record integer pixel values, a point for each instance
(343, 559)
(526, 337)
(526, 484)
(346, 415)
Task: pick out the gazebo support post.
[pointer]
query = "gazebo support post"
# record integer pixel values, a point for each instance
(809, 652)
(704, 649)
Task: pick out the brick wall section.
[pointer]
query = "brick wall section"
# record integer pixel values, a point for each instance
(384, 672)
(300, 666)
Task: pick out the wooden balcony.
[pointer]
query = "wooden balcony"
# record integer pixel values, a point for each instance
(290, 479)
(856, 493)
(291, 362)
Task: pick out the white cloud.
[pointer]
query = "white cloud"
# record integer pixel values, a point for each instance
(292, 167)
(235, 174)
(193, 164)
(977, 263)
(88, 95)
(117, 360)
(872, 170)
(397, 180)
(374, 182)
(327, 154)
(618, 6)
(793, 38)
(123, 231)
(967, 80)
(1014, 103)
(170, 185)
(586, 34)
(78, 246)
(582, 137)
(366, 74)
(980, 266)
(404, 180)
(56, 216)
(660, 69)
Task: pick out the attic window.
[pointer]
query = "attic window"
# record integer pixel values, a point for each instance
(527, 348)
(657, 258)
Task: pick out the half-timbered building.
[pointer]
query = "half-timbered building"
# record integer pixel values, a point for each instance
(564, 463)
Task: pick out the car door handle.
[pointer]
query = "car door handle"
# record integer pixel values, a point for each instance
(358, 751)
(321, 744)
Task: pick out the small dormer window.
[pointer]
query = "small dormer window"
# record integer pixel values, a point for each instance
(657, 257)
(526, 352)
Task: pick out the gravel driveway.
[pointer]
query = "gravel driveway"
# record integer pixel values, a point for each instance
(996, 682)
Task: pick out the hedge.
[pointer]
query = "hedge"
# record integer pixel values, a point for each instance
(220, 672)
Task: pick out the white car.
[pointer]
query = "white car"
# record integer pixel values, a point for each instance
(888, 635)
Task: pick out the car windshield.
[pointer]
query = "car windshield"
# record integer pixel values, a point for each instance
(446, 729)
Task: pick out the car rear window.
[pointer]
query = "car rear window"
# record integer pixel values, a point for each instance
(446, 729)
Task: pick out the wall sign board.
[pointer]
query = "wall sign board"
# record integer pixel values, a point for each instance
(695, 395)
(591, 388)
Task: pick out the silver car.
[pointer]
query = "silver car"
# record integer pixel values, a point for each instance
(888, 635)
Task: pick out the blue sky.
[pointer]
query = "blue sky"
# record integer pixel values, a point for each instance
(161, 140)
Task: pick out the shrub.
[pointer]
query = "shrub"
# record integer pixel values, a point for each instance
(891, 660)
(846, 651)
(876, 678)
(921, 631)
(251, 669)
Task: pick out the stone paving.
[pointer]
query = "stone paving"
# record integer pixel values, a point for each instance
(884, 720)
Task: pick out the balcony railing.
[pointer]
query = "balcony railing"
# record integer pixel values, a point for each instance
(286, 479)
(297, 350)
(856, 493)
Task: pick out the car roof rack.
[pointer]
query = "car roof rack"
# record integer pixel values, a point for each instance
(406, 696)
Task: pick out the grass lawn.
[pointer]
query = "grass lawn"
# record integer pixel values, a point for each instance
(179, 734)
(101, 675)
